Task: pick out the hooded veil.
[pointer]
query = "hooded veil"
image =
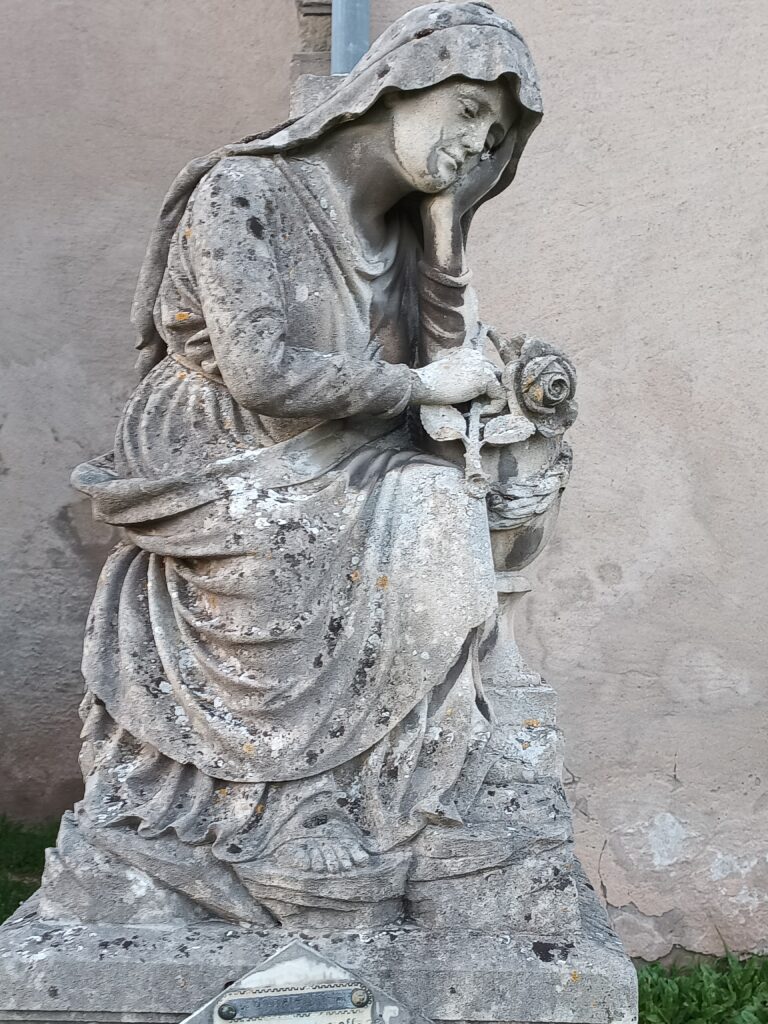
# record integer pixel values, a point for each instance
(425, 47)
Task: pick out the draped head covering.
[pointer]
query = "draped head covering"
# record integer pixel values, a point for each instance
(425, 47)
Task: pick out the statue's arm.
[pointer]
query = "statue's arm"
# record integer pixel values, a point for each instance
(233, 264)
(447, 304)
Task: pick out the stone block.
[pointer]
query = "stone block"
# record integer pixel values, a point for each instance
(155, 974)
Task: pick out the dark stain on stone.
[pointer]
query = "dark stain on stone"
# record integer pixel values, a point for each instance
(610, 573)
(256, 227)
(316, 821)
(335, 625)
(88, 541)
(507, 464)
(241, 201)
(547, 951)
(524, 548)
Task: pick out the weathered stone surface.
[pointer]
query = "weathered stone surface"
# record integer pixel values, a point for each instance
(281, 720)
(88, 974)
(601, 266)
(300, 661)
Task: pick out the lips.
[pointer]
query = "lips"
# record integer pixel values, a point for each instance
(451, 158)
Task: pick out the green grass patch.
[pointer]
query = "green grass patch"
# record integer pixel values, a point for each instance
(22, 853)
(728, 991)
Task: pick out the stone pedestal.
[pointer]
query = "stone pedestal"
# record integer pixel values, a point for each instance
(89, 974)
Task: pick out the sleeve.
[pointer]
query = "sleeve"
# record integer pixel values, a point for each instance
(232, 260)
(447, 310)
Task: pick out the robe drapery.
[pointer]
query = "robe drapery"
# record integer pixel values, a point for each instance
(287, 639)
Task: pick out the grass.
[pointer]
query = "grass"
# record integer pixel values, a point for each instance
(22, 851)
(727, 991)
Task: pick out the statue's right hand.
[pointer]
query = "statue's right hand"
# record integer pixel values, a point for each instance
(460, 376)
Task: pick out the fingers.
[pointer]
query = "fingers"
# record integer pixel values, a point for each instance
(345, 860)
(332, 864)
(459, 376)
(491, 382)
(358, 855)
(301, 858)
(316, 859)
(494, 388)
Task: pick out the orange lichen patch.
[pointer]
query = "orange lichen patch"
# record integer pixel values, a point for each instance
(260, 808)
(182, 375)
(575, 976)
(182, 315)
(248, 748)
(532, 723)
(382, 582)
(525, 744)
(223, 792)
(188, 233)
(354, 576)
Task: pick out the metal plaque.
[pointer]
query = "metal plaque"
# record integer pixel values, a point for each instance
(322, 1003)
(298, 985)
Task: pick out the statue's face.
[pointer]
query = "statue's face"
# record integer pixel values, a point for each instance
(439, 133)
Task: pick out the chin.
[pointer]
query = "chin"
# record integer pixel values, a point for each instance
(437, 181)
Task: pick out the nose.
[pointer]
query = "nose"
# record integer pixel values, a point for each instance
(475, 139)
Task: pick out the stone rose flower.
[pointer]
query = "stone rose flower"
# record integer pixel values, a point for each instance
(543, 381)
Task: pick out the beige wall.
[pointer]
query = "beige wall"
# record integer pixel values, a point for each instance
(634, 235)
(102, 102)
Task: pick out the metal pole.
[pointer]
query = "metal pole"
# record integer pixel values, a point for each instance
(350, 33)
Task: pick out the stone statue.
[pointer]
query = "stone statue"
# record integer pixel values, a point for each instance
(304, 707)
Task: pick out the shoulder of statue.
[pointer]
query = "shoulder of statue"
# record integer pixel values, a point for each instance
(232, 172)
(234, 187)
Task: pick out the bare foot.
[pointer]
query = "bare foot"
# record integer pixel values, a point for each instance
(323, 855)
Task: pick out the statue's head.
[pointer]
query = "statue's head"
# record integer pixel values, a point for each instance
(424, 61)
(454, 78)
(439, 133)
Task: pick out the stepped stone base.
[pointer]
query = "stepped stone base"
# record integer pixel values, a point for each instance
(102, 974)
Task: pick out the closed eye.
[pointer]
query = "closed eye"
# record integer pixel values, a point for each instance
(495, 138)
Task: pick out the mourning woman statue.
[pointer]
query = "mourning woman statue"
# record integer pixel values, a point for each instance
(285, 707)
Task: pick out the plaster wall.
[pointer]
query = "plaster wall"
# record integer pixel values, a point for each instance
(634, 235)
(103, 102)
